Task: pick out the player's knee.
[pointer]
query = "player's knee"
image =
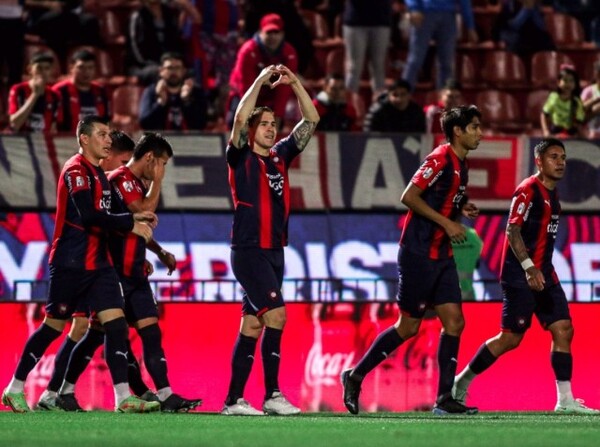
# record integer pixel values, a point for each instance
(78, 329)
(116, 328)
(275, 318)
(454, 326)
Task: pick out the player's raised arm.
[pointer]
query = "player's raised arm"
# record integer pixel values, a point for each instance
(239, 130)
(310, 117)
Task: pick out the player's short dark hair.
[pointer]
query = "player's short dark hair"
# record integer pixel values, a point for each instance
(541, 148)
(458, 116)
(152, 142)
(171, 55)
(121, 142)
(41, 56)
(83, 55)
(255, 115)
(85, 126)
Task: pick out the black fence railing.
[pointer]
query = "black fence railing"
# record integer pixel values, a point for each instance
(302, 290)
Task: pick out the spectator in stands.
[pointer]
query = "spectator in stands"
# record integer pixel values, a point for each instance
(520, 26)
(366, 30)
(336, 113)
(297, 33)
(435, 20)
(450, 96)
(154, 30)
(395, 111)
(174, 102)
(79, 95)
(563, 114)
(267, 47)
(63, 24)
(591, 103)
(32, 105)
(214, 44)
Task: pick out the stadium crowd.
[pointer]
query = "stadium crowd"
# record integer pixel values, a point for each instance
(184, 64)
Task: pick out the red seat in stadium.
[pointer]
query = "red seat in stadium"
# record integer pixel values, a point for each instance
(545, 66)
(126, 106)
(501, 112)
(503, 69)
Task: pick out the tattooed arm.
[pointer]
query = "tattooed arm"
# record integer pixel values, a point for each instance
(310, 117)
(535, 278)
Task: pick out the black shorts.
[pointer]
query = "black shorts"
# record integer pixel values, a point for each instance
(425, 283)
(83, 291)
(260, 273)
(139, 299)
(519, 304)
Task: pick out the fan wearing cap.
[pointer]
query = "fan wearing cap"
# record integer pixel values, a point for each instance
(267, 47)
(32, 105)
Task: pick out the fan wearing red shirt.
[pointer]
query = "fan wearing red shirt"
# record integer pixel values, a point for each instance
(32, 105)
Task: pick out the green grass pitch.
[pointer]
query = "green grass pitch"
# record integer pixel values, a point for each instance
(105, 429)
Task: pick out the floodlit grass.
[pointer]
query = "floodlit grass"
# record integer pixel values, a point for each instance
(307, 430)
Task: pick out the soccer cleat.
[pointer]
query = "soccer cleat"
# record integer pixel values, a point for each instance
(177, 404)
(68, 402)
(448, 405)
(574, 406)
(149, 396)
(351, 391)
(459, 392)
(241, 408)
(16, 402)
(47, 403)
(134, 404)
(278, 404)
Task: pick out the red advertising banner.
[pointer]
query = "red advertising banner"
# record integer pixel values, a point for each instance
(319, 342)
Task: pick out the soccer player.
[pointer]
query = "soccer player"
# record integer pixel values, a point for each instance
(529, 282)
(121, 151)
(81, 268)
(150, 156)
(436, 198)
(258, 175)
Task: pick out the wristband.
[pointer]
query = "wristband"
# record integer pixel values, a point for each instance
(527, 263)
(163, 252)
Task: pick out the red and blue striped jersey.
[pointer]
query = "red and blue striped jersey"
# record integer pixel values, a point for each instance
(45, 111)
(443, 177)
(83, 217)
(535, 209)
(261, 194)
(127, 249)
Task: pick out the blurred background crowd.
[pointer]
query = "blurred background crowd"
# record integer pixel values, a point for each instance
(531, 66)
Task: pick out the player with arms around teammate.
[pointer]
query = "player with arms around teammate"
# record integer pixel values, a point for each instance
(436, 198)
(529, 282)
(81, 269)
(150, 156)
(258, 176)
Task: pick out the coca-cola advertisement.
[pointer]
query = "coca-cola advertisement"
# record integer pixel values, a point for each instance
(319, 341)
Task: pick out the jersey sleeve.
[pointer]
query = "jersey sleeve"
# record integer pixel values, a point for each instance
(429, 172)
(128, 188)
(519, 208)
(77, 180)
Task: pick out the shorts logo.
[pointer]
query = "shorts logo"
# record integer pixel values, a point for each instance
(521, 322)
(422, 306)
(273, 295)
(62, 309)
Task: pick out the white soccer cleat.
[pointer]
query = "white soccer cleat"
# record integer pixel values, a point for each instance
(459, 393)
(47, 403)
(278, 404)
(241, 408)
(574, 406)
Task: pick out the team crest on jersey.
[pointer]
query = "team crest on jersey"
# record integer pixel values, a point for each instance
(128, 186)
